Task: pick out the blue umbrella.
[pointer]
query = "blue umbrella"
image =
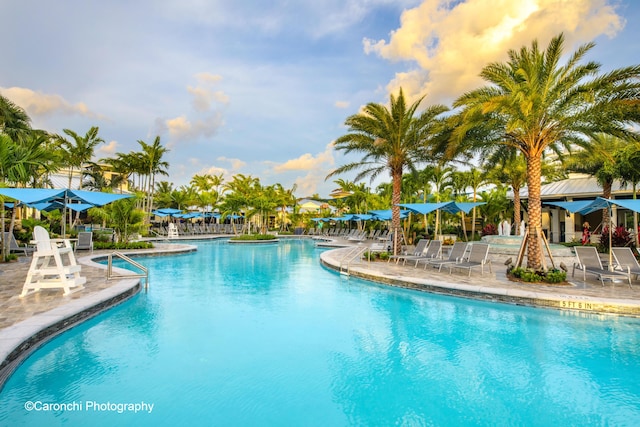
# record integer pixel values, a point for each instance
(572, 207)
(385, 214)
(66, 197)
(451, 207)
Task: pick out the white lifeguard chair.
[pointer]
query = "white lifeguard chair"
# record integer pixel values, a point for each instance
(172, 231)
(48, 268)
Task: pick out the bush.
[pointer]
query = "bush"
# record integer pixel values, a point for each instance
(529, 275)
(254, 237)
(489, 230)
(620, 237)
(122, 245)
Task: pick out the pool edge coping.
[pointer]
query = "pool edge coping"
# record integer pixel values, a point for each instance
(505, 295)
(21, 339)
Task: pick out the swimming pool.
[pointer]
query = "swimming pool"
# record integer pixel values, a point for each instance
(263, 335)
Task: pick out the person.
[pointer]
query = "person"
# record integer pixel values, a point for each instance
(586, 234)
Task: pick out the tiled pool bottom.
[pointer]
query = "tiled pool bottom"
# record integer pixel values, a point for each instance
(267, 337)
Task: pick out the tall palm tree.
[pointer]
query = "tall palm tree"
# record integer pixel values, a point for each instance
(153, 164)
(391, 139)
(79, 150)
(628, 170)
(597, 158)
(14, 121)
(534, 103)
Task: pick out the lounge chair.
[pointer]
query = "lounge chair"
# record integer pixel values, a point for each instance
(627, 261)
(421, 246)
(48, 268)
(15, 247)
(433, 251)
(85, 241)
(456, 254)
(589, 262)
(478, 257)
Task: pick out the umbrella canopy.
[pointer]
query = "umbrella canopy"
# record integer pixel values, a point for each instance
(572, 207)
(166, 212)
(451, 207)
(64, 196)
(385, 214)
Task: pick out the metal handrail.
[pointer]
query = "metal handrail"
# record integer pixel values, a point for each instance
(354, 253)
(125, 258)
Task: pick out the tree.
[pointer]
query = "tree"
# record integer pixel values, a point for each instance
(79, 150)
(627, 161)
(535, 104)
(14, 121)
(153, 165)
(391, 139)
(597, 158)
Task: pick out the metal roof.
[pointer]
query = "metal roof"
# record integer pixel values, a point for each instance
(576, 186)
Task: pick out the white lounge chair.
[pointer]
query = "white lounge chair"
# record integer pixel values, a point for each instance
(589, 262)
(478, 257)
(48, 268)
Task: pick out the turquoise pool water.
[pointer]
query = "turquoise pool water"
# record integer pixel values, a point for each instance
(264, 336)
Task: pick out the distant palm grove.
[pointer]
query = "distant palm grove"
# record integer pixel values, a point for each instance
(537, 118)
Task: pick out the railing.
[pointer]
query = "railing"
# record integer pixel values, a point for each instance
(125, 258)
(164, 238)
(353, 253)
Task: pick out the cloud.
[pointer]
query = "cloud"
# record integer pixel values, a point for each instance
(204, 95)
(451, 42)
(182, 129)
(38, 104)
(307, 162)
(342, 104)
(236, 164)
(109, 148)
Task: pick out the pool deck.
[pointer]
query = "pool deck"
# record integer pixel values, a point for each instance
(26, 323)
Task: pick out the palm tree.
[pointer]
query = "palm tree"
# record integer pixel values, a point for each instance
(80, 150)
(153, 165)
(597, 158)
(14, 121)
(627, 161)
(392, 139)
(534, 104)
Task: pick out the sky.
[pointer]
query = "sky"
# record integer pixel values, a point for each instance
(263, 88)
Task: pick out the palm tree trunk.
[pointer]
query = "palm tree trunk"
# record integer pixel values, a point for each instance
(396, 177)
(534, 250)
(473, 216)
(516, 209)
(606, 193)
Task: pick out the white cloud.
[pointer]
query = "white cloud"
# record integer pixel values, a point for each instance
(38, 104)
(236, 164)
(182, 129)
(450, 44)
(342, 104)
(108, 149)
(308, 162)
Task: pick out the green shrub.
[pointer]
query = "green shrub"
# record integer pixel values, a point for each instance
(254, 237)
(122, 245)
(530, 275)
(556, 276)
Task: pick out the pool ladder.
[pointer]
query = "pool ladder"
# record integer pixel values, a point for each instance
(353, 254)
(110, 275)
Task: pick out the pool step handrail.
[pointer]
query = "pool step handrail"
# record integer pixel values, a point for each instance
(353, 253)
(125, 258)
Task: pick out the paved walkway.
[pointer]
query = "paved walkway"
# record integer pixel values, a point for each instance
(589, 295)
